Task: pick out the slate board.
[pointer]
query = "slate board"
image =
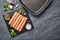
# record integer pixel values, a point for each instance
(24, 29)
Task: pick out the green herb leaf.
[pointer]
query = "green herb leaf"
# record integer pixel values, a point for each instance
(6, 8)
(22, 10)
(12, 33)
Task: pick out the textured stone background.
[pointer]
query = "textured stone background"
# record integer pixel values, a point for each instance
(46, 26)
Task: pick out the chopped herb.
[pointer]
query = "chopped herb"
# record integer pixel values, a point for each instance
(12, 33)
(5, 5)
(6, 8)
(7, 16)
(22, 10)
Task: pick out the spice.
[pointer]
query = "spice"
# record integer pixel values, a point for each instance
(7, 16)
(28, 26)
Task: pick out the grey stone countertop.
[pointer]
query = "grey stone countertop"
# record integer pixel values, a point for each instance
(46, 26)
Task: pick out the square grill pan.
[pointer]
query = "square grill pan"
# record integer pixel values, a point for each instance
(35, 6)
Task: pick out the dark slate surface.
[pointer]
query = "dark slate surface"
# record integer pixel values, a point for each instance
(46, 26)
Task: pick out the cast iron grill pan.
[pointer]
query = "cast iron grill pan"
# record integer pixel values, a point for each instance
(35, 6)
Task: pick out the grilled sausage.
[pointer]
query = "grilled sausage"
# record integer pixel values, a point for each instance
(16, 21)
(20, 23)
(12, 18)
(22, 26)
(16, 26)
